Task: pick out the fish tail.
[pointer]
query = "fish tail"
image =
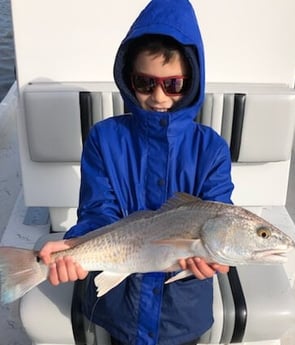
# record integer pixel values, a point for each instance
(20, 271)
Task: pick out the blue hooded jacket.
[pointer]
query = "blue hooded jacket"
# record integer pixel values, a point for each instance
(137, 161)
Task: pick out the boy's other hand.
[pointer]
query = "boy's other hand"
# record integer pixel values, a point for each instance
(200, 268)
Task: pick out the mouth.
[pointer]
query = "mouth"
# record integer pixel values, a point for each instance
(279, 256)
(160, 110)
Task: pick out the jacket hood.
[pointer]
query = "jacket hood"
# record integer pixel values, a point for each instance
(175, 18)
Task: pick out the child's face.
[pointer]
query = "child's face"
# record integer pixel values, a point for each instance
(153, 65)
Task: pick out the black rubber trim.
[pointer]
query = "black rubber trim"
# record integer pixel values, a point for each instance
(237, 126)
(240, 306)
(86, 113)
(77, 317)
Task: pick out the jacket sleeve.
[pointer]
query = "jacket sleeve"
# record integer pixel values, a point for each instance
(98, 205)
(217, 185)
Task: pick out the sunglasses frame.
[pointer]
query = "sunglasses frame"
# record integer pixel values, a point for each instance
(158, 81)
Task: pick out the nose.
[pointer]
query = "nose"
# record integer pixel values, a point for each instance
(158, 95)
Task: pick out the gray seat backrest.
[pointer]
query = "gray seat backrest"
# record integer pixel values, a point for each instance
(257, 122)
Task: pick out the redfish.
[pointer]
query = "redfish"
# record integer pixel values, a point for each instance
(154, 241)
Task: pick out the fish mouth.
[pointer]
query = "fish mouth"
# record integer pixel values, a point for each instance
(272, 255)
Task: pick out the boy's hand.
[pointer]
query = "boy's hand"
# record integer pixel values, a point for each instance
(64, 269)
(200, 268)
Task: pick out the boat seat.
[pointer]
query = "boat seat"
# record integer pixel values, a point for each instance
(58, 120)
(256, 120)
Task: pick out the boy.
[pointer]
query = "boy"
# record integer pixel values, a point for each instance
(137, 161)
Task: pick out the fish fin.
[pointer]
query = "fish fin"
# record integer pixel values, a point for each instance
(177, 200)
(172, 268)
(105, 281)
(178, 276)
(179, 242)
(186, 247)
(20, 271)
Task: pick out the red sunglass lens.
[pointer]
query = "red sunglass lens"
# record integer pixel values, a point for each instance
(146, 84)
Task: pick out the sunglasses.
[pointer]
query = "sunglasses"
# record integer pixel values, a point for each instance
(171, 86)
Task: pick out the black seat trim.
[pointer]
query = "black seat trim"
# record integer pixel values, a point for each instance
(240, 306)
(77, 317)
(237, 126)
(86, 113)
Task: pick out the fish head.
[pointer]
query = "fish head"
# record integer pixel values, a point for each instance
(238, 236)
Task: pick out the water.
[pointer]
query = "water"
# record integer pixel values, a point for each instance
(7, 74)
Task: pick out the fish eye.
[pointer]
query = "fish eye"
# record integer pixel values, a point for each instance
(264, 232)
